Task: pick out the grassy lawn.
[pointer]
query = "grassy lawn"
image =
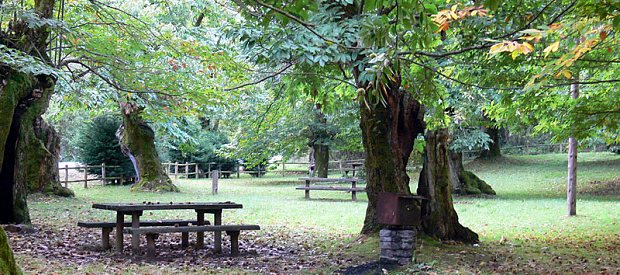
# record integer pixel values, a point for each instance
(523, 228)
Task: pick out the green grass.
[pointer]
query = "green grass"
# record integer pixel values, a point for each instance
(527, 219)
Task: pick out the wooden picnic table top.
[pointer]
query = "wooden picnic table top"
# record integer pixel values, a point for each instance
(128, 207)
(313, 179)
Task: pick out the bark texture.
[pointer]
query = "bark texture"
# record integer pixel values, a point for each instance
(388, 133)
(321, 160)
(465, 182)
(7, 262)
(137, 141)
(439, 219)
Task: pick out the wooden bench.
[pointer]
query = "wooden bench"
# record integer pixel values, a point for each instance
(152, 233)
(353, 189)
(106, 229)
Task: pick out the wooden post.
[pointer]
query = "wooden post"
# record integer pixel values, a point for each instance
(176, 170)
(86, 177)
(353, 192)
(340, 167)
(66, 176)
(283, 169)
(196, 170)
(186, 170)
(215, 176)
(307, 191)
(102, 173)
(238, 166)
(209, 170)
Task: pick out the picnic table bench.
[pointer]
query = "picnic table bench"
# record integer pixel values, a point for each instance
(353, 189)
(152, 233)
(106, 228)
(137, 227)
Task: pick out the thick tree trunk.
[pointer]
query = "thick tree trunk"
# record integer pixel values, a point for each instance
(388, 133)
(27, 145)
(7, 262)
(137, 141)
(571, 190)
(494, 150)
(321, 159)
(439, 219)
(463, 181)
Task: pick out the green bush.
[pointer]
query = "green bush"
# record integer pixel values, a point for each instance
(98, 144)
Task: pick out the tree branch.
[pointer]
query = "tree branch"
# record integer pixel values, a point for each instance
(279, 72)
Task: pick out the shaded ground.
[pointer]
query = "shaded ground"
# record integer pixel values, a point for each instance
(602, 188)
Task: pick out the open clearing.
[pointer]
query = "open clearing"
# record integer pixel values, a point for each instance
(523, 229)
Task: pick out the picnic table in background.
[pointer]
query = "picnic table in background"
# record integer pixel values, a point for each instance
(309, 186)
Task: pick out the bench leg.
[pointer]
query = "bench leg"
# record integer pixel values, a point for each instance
(234, 242)
(184, 239)
(150, 245)
(105, 238)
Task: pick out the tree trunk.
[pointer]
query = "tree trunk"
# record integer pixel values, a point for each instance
(494, 149)
(137, 141)
(439, 219)
(465, 182)
(28, 145)
(388, 134)
(7, 262)
(571, 191)
(321, 158)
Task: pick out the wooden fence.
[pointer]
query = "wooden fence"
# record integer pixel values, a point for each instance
(86, 168)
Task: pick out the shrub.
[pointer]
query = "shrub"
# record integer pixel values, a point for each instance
(98, 144)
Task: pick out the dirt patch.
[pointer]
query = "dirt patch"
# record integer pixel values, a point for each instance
(602, 188)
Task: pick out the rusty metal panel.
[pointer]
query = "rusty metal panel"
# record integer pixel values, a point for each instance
(398, 209)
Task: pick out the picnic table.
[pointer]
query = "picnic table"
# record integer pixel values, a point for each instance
(135, 210)
(309, 186)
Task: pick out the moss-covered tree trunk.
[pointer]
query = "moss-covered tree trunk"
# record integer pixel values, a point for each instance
(388, 134)
(319, 138)
(439, 219)
(137, 141)
(7, 262)
(463, 181)
(494, 149)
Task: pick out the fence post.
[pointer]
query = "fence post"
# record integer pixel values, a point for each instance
(215, 176)
(186, 170)
(66, 176)
(176, 170)
(237, 166)
(86, 177)
(340, 167)
(283, 168)
(196, 170)
(102, 173)
(209, 170)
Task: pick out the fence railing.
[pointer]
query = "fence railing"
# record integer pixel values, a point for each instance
(86, 168)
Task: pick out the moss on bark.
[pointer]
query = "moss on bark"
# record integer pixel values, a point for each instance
(439, 219)
(466, 182)
(321, 160)
(138, 143)
(7, 262)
